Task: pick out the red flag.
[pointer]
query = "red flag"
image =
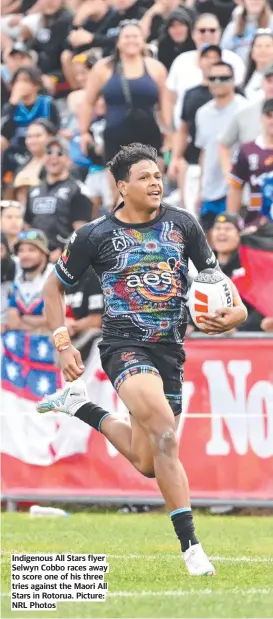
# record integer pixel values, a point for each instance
(256, 255)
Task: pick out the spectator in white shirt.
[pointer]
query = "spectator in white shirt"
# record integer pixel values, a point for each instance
(260, 55)
(185, 71)
(210, 119)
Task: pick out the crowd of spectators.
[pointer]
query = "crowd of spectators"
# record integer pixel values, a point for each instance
(79, 78)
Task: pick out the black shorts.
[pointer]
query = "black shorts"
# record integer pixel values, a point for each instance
(122, 360)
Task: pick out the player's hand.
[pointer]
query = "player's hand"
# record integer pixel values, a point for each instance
(71, 363)
(224, 319)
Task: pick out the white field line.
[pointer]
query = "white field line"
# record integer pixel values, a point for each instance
(183, 593)
(168, 557)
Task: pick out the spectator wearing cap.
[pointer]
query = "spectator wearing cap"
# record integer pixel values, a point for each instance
(38, 135)
(11, 221)
(92, 26)
(184, 152)
(251, 162)
(175, 37)
(26, 104)
(209, 122)
(59, 204)
(156, 15)
(225, 236)
(246, 125)
(8, 269)
(26, 305)
(253, 15)
(50, 40)
(260, 56)
(185, 71)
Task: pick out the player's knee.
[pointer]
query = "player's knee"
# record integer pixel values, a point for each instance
(165, 442)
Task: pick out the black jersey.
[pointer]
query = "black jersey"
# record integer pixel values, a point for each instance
(143, 271)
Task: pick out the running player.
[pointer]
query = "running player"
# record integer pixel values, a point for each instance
(140, 253)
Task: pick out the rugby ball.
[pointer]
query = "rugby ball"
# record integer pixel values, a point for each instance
(210, 290)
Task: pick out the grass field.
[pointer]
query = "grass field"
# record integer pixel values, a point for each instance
(147, 577)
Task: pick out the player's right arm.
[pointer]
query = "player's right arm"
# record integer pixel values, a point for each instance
(73, 262)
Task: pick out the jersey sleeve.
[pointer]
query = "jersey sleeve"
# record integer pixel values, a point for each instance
(93, 293)
(77, 257)
(239, 172)
(198, 249)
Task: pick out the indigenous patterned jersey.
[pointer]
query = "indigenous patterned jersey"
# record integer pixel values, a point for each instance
(143, 271)
(250, 163)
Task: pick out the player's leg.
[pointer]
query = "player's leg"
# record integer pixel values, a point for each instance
(144, 395)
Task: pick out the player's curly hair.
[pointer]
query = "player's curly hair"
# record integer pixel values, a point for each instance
(122, 162)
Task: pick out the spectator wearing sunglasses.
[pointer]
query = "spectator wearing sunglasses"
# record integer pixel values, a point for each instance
(260, 56)
(26, 306)
(239, 34)
(210, 119)
(60, 204)
(252, 162)
(185, 71)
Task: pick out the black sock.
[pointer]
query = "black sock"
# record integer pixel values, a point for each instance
(91, 414)
(184, 528)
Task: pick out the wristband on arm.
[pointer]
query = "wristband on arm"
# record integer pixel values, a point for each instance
(61, 339)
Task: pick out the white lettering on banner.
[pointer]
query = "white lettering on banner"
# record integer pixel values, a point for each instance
(260, 400)
(247, 429)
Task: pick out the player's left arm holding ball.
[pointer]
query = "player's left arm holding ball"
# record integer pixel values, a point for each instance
(202, 256)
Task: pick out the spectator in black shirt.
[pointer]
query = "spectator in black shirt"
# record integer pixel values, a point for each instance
(184, 150)
(129, 9)
(154, 18)
(50, 41)
(93, 23)
(59, 205)
(26, 104)
(175, 37)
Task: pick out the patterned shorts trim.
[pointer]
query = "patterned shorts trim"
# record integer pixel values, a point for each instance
(137, 369)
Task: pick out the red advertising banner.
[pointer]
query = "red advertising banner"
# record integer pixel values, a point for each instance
(225, 434)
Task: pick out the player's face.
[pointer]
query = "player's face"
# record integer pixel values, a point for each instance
(225, 237)
(144, 187)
